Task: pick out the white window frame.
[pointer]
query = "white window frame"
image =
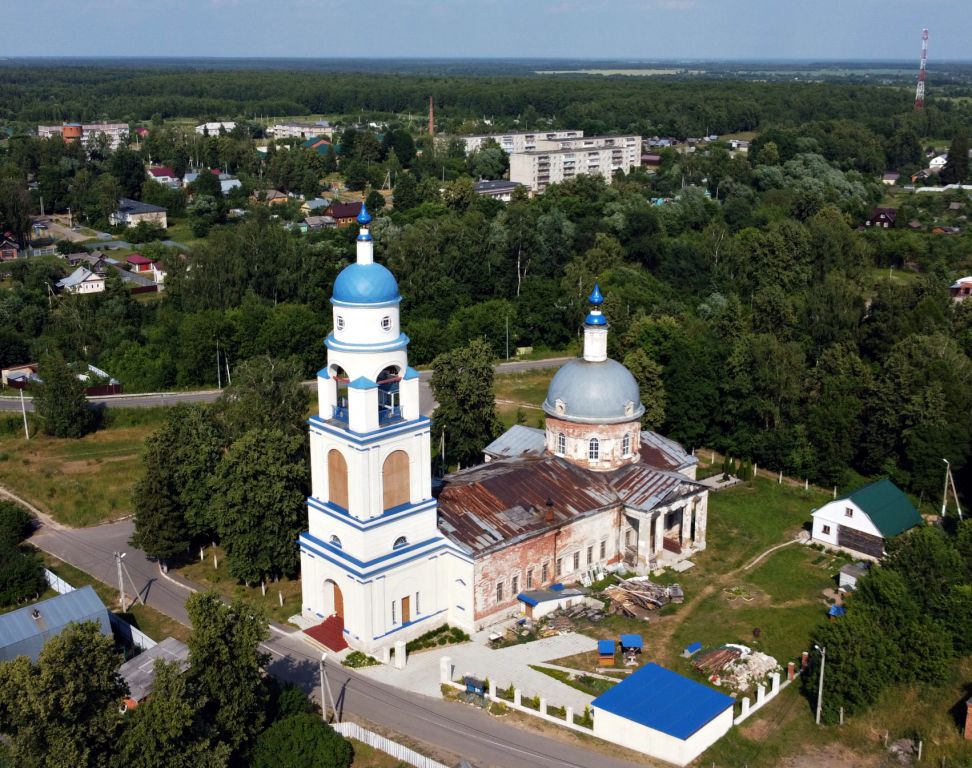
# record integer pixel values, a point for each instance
(594, 449)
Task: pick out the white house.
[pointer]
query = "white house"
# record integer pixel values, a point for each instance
(213, 129)
(936, 164)
(863, 520)
(132, 212)
(82, 280)
(662, 714)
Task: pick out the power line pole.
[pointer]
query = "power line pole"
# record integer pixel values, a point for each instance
(121, 584)
(326, 689)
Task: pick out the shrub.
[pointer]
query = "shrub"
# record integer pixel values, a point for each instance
(357, 659)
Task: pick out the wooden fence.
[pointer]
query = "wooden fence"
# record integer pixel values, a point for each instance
(389, 747)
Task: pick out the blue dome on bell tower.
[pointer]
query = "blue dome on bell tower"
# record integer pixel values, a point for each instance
(365, 282)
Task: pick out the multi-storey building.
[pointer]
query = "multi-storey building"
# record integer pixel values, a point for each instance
(567, 158)
(522, 141)
(86, 133)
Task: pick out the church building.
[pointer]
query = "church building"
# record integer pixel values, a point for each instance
(384, 559)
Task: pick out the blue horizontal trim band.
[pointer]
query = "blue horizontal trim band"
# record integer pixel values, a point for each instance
(409, 624)
(386, 346)
(390, 515)
(354, 304)
(422, 423)
(311, 545)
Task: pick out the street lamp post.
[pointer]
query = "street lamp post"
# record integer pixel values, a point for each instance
(823, 661)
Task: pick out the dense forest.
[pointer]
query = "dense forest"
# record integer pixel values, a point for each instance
(760, 315)
(675, 106)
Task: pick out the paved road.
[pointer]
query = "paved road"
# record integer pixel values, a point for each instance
(458, 730)
(426, 402)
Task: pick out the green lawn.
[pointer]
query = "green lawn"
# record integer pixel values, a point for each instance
(203, 573)
(748, 519)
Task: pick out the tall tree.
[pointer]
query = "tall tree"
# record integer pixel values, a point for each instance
(462, 384)
(225, 672)
(648, 375)
(161, 530)
(60, 401)
(62, 712)
(956, 169)
(301, 741)
(266, 393)
(165, 732)
(260, 489)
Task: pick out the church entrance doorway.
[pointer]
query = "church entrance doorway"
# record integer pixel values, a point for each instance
(406, 609)
(333, 600)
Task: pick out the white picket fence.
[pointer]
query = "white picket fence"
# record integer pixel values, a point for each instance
(129, 633)
(389, 747)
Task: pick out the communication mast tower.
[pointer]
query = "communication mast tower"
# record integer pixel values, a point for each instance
(920, 91)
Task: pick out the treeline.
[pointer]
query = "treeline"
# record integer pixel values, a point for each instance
(647, 105)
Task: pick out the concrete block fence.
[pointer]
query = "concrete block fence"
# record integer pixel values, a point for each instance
(446, 672)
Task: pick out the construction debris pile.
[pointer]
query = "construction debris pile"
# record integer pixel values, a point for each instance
(638, 596)
(740, 667)
(561, 621)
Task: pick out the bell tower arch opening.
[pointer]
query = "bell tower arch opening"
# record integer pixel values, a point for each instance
(395, 480)
(389, 402)
(337, 478)
(340, 378)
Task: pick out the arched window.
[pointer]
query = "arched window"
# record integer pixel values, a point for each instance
(386, 323)
(400, 542)
(626, 445)
(561, 443)
(389, 404)
(594, 449)
(340, 323)
(335, 542)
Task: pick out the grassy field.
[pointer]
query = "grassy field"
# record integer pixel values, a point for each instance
(78, 482)
(203, 573)
(154, 624)
(369, 757)
(523, 392)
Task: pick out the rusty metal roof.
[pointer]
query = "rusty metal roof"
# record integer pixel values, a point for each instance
(506, 501)
(662, 453)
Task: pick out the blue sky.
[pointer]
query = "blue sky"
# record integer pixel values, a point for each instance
(645, 29)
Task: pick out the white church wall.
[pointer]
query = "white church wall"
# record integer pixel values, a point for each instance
(366, 324)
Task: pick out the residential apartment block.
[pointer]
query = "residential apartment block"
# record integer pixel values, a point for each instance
(558, 161)
(520, 142)
(298, 130)
(87, 134)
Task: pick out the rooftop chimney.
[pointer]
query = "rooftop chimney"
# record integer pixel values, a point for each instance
(549, 516)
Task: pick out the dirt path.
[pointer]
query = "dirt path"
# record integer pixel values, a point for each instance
(45, 519)
(665, 629)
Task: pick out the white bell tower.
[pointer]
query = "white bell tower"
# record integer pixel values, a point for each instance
(369, 559)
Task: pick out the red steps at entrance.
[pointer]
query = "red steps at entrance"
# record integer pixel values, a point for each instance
(329, 633)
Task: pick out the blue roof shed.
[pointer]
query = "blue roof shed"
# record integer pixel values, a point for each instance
(664, 701)
(605, 647)
(632, 641)
(23, 632)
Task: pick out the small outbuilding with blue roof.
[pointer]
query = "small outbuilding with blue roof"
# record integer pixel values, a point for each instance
(662, 714)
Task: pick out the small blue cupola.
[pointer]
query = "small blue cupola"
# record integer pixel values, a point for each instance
(595, 317)
(365, 282)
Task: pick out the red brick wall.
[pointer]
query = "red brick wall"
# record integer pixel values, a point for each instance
(968, 720)
(517, 559)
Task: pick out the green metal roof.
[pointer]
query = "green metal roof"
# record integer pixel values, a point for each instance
(889, 508)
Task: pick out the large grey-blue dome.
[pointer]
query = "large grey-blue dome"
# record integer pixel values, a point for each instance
(588, 392)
